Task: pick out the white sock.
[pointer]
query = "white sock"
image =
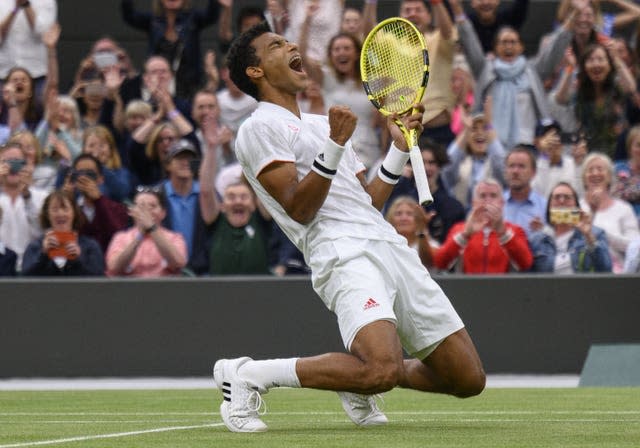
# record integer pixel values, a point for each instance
(270, 373)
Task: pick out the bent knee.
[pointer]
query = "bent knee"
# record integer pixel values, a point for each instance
(469, 384)
(381, 377)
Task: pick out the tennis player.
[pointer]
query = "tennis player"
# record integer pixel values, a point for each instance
(305, 172)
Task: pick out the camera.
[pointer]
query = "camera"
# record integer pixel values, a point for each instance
(105, 59)
(75, 174)
(565, 216)
(15, 165)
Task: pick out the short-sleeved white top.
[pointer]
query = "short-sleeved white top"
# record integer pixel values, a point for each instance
(274, 134)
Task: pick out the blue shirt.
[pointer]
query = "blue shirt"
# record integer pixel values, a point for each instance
(523, 212)
(182, 211)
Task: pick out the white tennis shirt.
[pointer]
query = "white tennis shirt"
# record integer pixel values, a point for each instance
(274, 134)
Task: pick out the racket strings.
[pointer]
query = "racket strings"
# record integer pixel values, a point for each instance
(394, 66)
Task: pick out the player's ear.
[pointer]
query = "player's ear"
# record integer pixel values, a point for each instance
(254, 73)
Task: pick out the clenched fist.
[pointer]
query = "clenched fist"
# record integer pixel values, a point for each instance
(342, 123)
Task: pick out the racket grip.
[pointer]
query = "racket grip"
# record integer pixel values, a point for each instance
(420, 176)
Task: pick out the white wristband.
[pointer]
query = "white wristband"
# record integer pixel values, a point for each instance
(392, 165)
(326, 162)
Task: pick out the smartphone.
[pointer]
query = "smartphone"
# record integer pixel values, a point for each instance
(105, 59)
(63, 238)
(565, 216)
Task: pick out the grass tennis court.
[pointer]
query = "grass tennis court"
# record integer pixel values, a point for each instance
(576, 417)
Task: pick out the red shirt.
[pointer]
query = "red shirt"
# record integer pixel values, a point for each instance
(486, 254)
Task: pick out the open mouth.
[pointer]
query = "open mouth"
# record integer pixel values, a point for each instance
(295, 63)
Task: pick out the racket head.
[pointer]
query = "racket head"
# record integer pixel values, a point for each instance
(394, 65)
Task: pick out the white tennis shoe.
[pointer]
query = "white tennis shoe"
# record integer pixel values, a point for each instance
(362, 409)
(242, 403)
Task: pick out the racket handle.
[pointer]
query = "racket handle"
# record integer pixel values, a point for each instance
(420, 176)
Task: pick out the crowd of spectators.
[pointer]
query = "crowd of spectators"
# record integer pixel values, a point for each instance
(534, 163)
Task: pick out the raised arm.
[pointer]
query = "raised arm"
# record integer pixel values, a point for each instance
(469, 40)
(209, 204)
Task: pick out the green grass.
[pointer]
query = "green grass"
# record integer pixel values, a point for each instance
(581, 417)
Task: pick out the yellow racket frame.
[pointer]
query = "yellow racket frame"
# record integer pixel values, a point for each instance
(402, 56)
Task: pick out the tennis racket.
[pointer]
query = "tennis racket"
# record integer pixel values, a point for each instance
(394, 65)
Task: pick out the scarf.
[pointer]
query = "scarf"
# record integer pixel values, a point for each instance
(511, 78)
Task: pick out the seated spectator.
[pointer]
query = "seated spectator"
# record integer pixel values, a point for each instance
(411, 221)
(485, 243)
(99, 142)
(553, 165)
(475, 154)
(445, 210)
(239, 227)
(627, 172)
(61, 251)
(523, 206)
(613, 215)
(20, 202)
(8, 258)
(632, 258)
(147, 249)
(103, 217)
(569, 244)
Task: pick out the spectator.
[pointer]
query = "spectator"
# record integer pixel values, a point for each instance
(614, 216)
(514, 83)
(147, 160)
(475, 154)
(569, 244)
(235, 105)
(20, 202)
(174, 30)
(206, 103)
(523, 206)
(445, 210)
(247, 17)
(147, 249)
(341, 84)
(553, 165)
(102, 217)
(632, 258)
(357, 22)
(579, 148)
(462, 87)
(22, 24)
(157, 85)
(603, 83)
(412, 222)
(438, 98)
(99, 142)
(61, 251)
(8, 258)
(90, 92)
(239, 228)
(60, 133)
(322, 19)
(627, 184)
(22, 107)
(43, 170)
(136, 113)
(488, 17)
(485, 243)
(183, 206)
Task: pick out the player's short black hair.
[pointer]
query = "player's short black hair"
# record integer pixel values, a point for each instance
(242, 55)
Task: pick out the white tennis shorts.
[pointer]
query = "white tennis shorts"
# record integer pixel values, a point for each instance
(363, 281)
